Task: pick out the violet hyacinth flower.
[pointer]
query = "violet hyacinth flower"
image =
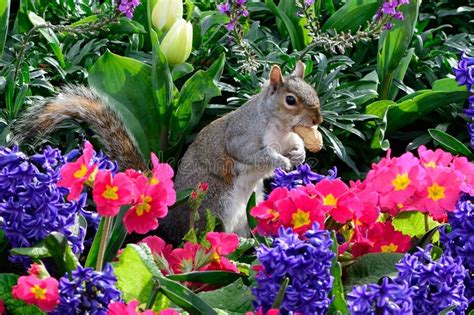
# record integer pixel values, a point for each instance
(127, 7)
(31, 204)
(464, 72)
(390, 9)
(234, 9)
(436, 285)
(306, 263)
(87, 292)
(303, 175)
(386, 298)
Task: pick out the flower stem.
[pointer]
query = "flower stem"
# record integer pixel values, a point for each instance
(103, 243)
(281, 293)
(427, 226)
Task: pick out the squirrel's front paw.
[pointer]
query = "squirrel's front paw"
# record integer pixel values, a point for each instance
(284, 163)
(297, 156)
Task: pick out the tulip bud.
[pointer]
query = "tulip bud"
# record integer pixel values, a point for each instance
(178, 42)
(166, 13)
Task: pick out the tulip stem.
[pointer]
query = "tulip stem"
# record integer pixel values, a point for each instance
(103, 243)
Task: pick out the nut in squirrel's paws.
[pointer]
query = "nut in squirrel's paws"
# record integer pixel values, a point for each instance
(312, 138)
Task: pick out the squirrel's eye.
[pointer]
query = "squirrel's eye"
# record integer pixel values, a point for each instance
(290, 100)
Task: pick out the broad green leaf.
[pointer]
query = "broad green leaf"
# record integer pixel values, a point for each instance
(299, 22)
(182, 196)
(91, 259)
(134, 279)
(380, 109)
(86, 20)
(126, 84)
(371, 267)
(294, 38)
(210, 277)
(250, 205)
(448, 85)
(450, 143)
(193, 100)
(235, 297)
(181, 70)
(412, 223)
(126, 26)
(4, 17)
(137, 272)
(49, 35)
(393, 45)
(339, 148)
(352, 15)
(419, 106)
(14, 306)
(37, 252)
(61, 252)
(426, 239)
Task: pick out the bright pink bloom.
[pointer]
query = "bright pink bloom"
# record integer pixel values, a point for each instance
(2, 307)
(398, 182)
(332, 193)
(223, 243)
(363, 203)
(267, 214)
(299, 211)
(441, 192)
(157, 245)
(465, 169)
(74, 174)
(204, 187)
(162, 173)
(433, 159)
(110, 194)
(120, 308)
(150, 205)
(184, 259)
(169, 311)
(379, 237)
(40, 292)
(35, 269)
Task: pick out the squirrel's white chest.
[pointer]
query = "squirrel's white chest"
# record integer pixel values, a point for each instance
(279, 138)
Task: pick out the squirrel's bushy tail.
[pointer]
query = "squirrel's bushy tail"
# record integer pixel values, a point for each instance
(82, 104)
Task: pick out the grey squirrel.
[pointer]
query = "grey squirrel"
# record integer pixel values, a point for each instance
(233, 154)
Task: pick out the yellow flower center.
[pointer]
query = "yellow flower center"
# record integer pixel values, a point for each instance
(39, 292)
(401, 182)
(300, 218)
(154, 181)
(329, 200)
(436, 192)
(144, 206)
(215, 257)
(110, 192)
(431, 164)
(390, 248)
(276, 214)
(81, 173)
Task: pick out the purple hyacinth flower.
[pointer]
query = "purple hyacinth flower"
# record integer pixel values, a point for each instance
(465, 71)
(389, 7)
(127, 7)
(224, 8)
(87, 291)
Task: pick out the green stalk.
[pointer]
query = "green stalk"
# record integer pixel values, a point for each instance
(103, 243)
(281, 294)
(153, 295)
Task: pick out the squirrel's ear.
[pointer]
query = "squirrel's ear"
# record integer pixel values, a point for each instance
(299, 70)
(276, 78)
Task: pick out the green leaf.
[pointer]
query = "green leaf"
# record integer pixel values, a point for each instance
(4, 16)
(419, 106)
(426, 239)
(193, 100)
(37, 251)
(353, 14)
(250, 205)
(371, 267)
(295, 40)
(126, 26)
(182, 196)
(136, 272)
(64, 259)
(393, 45)
(49, 35)
(181, 70)
(235, 297)
(400, 72)
(126, 84)
(339, 148)
(13, 306)
(91, 260)
(412, 223)
(134, 279)
(210, 277)
(338, 304)
(450, 143)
